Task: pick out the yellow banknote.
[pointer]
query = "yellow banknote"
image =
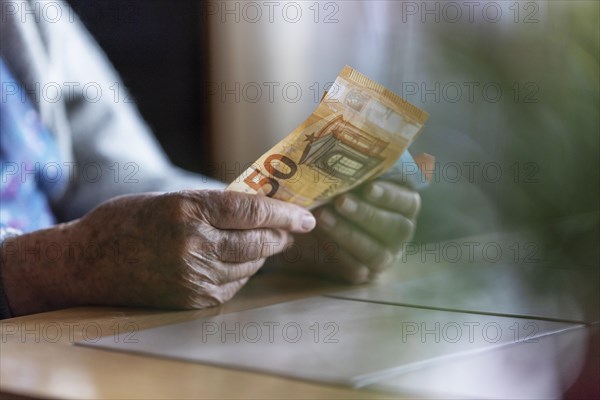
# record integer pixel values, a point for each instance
(358, 131)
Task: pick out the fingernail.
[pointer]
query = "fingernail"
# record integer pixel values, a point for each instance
(349, 205)
(327, 219)
(375, 192)
(308, 222)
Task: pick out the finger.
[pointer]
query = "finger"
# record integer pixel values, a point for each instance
(217, 273)
(390, 228)
(228, 290)
(393, 197)
(342, 266)
(361, 246)
(232, 272)
(234, 210)
(250, 245)
(216, 294)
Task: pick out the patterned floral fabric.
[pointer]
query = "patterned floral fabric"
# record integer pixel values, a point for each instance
(30, 163)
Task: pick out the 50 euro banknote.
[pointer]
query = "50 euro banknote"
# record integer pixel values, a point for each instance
(359, 131)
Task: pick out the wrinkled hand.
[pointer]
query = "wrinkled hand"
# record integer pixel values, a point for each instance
(189, 249)
(361, 233)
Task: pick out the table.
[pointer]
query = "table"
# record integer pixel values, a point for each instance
(38, 357)
(49, 365)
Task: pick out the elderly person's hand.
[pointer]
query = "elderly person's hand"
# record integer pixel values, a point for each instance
(360, 234)
(189, 249)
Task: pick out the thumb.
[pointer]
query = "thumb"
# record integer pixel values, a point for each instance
(247, 211)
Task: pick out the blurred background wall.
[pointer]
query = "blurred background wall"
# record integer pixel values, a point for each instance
(511, 88)
(160, 49)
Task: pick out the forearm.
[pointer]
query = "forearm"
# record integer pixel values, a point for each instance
(107, 149)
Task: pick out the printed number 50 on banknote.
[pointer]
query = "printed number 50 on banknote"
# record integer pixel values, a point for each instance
(358, 131)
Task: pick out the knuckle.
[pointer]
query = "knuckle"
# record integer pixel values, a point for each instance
(258, 237)
(258, 210)
(232, 205)
(253, 244)
(184, 207)
(173, 205)
(388, 194)
(212, 242)
(368, 213)
(228, 203)
(245, 241)
(349, 237)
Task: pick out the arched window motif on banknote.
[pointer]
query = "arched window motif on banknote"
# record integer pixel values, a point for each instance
(343, 151)
(344, 165)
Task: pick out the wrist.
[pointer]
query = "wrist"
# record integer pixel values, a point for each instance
(36, 274)
(5, 312)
